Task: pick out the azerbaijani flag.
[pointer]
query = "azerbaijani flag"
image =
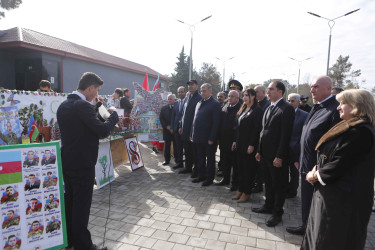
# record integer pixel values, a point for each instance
(156, 85)
(33, 129)
(10, 167)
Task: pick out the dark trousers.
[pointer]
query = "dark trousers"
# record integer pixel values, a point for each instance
(178, 149)
(276, 183)
(293, 179)
(229, 161)
(259, 177)
(246, 172)
(307, 191)
(220, 164)
(190, 155)
(168, 140)
(206, 160)
(78, 197)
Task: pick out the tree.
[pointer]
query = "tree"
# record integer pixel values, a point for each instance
(339, 72)
(208, 74)
(181, 75)
(8, 5)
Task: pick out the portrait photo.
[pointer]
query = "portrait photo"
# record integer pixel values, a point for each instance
(12, 241)
(32, 182)
(31, 159)
(11, 218)
(33, 206)
(49, 179)
(35, 228)
(10, 194)
(49, 157)
(52, 202)
(53, 224)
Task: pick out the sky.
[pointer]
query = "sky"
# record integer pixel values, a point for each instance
(259, 35)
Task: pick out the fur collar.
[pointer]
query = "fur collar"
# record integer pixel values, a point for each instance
(338, 129)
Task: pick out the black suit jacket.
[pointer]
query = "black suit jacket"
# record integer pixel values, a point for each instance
(276, 132)
(264, 103)
(126, 105)
(319, 120)
(165, 120)
(188, 115)
(228, 126)
(80, 132)
(206, 123)
(295, 145)
(177, 114)
(249, 129)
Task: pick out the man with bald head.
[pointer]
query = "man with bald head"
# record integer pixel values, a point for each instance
(321, 118)
(261, 97)
(227, 132)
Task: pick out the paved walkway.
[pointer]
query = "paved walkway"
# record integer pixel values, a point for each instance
(156, 208)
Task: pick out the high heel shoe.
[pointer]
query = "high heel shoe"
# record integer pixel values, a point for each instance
(237, 196)
(244, 198)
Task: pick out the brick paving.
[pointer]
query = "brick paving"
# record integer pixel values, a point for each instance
(156, 208)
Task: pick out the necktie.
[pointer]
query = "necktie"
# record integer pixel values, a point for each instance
(269, 112)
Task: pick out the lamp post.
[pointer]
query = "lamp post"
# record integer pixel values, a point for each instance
(331, 23)
(192, 28)
(224, 61)
(299, 69)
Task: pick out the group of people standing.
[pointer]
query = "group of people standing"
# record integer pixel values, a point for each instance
(276, 141)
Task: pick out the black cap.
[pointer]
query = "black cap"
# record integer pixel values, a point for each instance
(192, 81)
(304, 98)
(235, 84)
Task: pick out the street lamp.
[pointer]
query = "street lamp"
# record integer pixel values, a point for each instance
(224, 61)
(331, 23)
(299, 69)
(192, 28)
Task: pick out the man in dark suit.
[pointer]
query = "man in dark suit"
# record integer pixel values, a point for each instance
(48, 160)
(185, 128)
(320, 119)
(295, 145)
(32, 183)
(273, 151)
(165, 120)
(80, 132)
(125, 102)
(227, 130)
(175, 122)
(204, 133)
(263, 103)
(31, 161)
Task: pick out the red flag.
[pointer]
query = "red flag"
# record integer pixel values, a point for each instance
(145, 82)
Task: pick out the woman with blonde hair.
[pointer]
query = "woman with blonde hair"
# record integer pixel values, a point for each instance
(343, 178)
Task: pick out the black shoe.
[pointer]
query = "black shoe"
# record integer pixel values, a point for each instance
(220, 173)
(222, 183)
(198, 180)
(178, 166)
(95, 247)
(233, 188)
(185, 171)
(155, 150)
(206, 183)
(262, 210)
(296, 230)
(273, 221)
(290, 195)
(165, 163)
(257, 189)
(194, 175)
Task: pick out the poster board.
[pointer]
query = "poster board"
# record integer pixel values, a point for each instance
(134, 153)
(32, 210)
(104, 172)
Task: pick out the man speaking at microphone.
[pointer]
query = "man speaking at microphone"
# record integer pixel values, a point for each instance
(80, 132)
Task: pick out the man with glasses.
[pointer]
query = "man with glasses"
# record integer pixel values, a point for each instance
(45, 86)
(295, 145)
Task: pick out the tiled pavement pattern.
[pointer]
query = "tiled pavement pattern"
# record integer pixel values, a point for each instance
(156, 208)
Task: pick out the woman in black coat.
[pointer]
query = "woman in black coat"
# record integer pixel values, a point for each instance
(249, 120)
(343, 178)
